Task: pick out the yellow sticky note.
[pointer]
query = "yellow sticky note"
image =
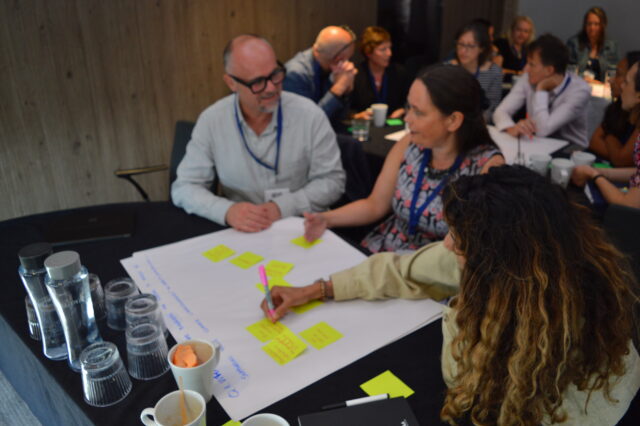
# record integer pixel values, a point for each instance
(387, 382)
(218, 253)
(274, 281)
(285, 347)
(302, 242)
(232, 423)
(264, 330)
(321, 335)
(276, 268)
(246, 260)
(306, 307)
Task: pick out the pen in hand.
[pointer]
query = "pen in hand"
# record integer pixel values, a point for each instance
(267, 291)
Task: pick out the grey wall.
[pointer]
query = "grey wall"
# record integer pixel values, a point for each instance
(563, 18)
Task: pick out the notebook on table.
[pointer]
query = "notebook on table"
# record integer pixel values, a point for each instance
(389, 412)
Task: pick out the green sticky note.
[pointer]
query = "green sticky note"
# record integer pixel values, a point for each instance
(302, 242)
(387, 382)
(394, 122)
(602, 165)
(306, 307)
(232, 423)
(264, 330)
(285, 347)
(274, 281)
(321, 335)
(276, 268)
(218, 253)
(246, 260)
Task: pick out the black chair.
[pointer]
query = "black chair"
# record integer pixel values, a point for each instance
(360, 180)
(181, 137)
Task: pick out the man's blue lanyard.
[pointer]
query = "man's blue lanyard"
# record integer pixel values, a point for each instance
(278, 137)
(381, 96)
(564, 87)
(414, 214)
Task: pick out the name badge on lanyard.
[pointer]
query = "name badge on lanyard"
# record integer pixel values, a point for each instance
(278, 138)
(272, 194)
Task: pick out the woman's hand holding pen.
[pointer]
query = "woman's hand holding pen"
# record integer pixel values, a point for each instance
(285, 298)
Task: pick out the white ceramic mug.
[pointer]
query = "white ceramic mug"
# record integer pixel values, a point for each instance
(167, 410)
(539, 163)
(265, 419)
(582, 158)
(200, 377)
(379, 114)
(561, 171)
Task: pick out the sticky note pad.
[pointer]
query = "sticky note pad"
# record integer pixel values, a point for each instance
(394, 122)
(232, 423)
(306, 307)
(276, 268)
(264, 330)
(601, 165)
(321, 335)
(246, 260)
(387, 382)
(274, 281)
(218, 253)
(285, 347)
(302, 242)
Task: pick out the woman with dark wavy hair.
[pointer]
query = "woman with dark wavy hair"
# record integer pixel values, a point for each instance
(540, 327)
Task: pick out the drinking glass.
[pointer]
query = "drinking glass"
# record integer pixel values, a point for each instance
(97, 296)
(104, 378)
(117, 292)
(360, 129)
(144, 308)
(146, 351)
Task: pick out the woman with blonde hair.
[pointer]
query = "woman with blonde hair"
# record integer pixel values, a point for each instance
(540, 331)
(512, 49)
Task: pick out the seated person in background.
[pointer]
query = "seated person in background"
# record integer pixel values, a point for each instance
(614, 139)
(447, 138)
(473, 53)
(513, 47)
(590, 50)
(556, 103)
(323, 73)
(630, 98)
(378, 79)
(274, 152)
(541, 329)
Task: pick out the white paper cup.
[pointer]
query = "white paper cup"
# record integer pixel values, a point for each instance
(580, 158)
(539, 163)
(167, 410)
(379, 114)
(265, 419)
(200, 377)
(561, 171)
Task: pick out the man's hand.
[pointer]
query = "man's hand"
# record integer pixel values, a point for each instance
(344, 74)
(247, 217)
(273, 211)
(549, 83)
(314, 226)
(581, 174)
(524, 127)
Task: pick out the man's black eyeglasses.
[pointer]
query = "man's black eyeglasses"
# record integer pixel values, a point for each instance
(346, 46)
(257, 85)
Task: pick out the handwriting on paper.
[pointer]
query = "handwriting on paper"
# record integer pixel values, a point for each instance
(276, 268)
(321, 335)
(218, 253)
(264, 330)
(285, 347)
(246, 260)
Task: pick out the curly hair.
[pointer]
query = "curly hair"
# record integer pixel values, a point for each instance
(545, 300)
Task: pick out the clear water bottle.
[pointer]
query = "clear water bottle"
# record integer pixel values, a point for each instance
(68, 285)
(33, 273)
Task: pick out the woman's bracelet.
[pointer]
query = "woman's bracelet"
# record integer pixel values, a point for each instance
(323, 289)
(595, 178)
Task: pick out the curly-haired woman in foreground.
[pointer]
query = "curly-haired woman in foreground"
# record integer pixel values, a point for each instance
(540, 330)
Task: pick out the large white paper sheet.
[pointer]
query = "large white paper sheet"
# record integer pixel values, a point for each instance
(217, 301)
(509, 145)
(396, 136)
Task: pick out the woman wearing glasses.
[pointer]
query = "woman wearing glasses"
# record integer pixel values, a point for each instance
(540, 328)
(447, 139)
(378, 80)
(473, 53)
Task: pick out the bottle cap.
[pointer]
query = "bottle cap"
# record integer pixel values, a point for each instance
(63, 265)
(33, 255)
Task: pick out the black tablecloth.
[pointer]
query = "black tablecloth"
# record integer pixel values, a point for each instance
(54, 392)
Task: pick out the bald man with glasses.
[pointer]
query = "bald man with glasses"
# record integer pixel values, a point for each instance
(274, 153)
(324, 73)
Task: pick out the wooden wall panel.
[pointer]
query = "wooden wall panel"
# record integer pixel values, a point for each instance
(90, 86)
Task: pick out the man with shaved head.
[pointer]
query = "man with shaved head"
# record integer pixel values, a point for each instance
(274, 152)
(323, 73)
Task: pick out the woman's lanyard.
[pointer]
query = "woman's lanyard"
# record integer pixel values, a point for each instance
(381, 96)
(564, 87)
(278, 137)
(415, 213)
(477, 72)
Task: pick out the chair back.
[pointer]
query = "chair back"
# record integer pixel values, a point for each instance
(181, 137)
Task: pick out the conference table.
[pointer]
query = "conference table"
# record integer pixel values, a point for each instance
(54, 392)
